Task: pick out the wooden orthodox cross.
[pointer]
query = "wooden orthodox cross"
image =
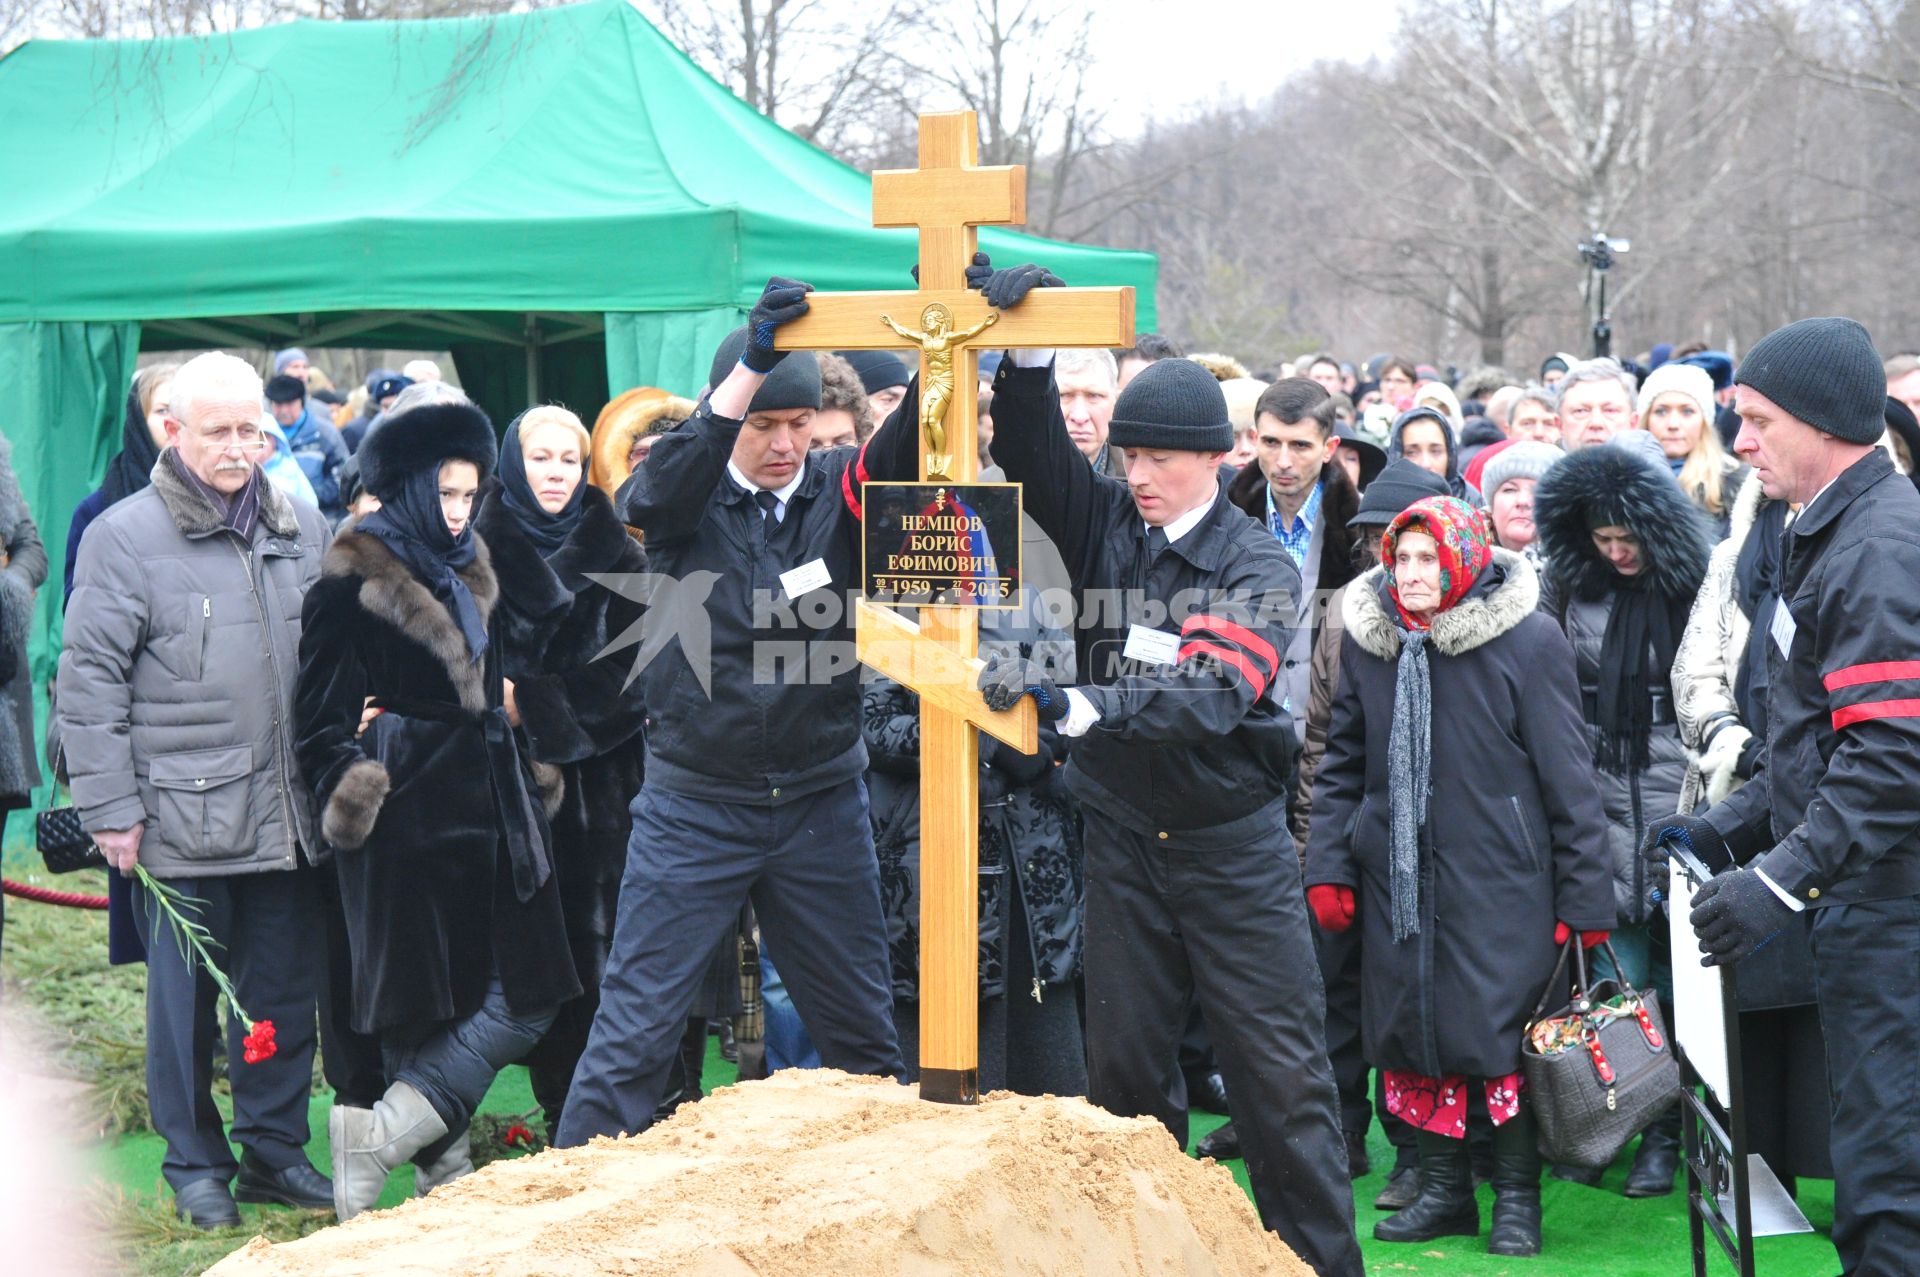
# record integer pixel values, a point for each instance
(945, 199)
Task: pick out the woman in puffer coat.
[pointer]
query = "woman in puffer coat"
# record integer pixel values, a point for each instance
(1625, 553)
(1720, 695)
(1457, 823)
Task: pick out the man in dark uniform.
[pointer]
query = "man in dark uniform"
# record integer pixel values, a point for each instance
(755, 789)
(1830, 825)
(1183, 767)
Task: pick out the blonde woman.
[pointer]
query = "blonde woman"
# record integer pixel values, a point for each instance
(1677, 408)
(550, 532)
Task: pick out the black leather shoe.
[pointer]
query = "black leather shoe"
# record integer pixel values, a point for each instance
(1445, 1206)
(729, 1049)
(298, 1185)
(1221, 1144)
(1403, 1185)
(206, 1203)
(1357, 1164)
(1656, 1160)
(1208, 1091)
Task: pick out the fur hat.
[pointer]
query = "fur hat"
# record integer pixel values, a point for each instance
(1242, 394)
(425, 436)
(1613, 484)
(1222, 367)
(281, 388)
(1690, 380)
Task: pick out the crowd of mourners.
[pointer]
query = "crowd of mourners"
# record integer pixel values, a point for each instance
(358, 677)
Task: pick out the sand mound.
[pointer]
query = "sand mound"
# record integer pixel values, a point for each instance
(821, 1174)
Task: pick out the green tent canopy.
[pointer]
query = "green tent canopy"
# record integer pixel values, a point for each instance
(561, 199)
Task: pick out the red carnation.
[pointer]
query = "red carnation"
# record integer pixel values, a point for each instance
(517, 1136)
(259, 1042)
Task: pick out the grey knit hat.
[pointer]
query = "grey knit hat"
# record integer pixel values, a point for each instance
(1525, 459)
(793, 383)
(1825, 372)
(1174, 404)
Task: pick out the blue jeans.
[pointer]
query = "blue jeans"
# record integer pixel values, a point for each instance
(787, 1043)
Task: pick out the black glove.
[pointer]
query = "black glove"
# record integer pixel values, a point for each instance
(1004, 289)
(1734, 914)
(1007, 678)
(784, 301)
(1691, 832)
(978, 273)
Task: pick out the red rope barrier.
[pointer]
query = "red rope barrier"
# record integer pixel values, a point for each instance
(47, 896)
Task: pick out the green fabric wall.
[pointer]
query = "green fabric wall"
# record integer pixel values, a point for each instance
(671, 349)
(63, 397)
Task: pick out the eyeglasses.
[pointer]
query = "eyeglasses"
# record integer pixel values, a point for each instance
(229, 438)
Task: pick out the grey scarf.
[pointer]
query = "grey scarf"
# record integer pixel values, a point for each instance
(1409, 775)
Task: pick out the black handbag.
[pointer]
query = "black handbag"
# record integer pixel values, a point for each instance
(1600, 1069)
(63, 844)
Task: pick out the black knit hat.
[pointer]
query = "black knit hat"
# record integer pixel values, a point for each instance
(1393, 490)
(793, 383)
(1174, 404)
(878, 369)
(285, 389)
(1825, 372)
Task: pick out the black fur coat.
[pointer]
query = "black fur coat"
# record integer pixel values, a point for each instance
(550, 623)
(409, 808)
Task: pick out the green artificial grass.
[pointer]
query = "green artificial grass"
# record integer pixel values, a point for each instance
(55, 960)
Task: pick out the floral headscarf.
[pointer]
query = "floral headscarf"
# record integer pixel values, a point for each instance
(1465, 546)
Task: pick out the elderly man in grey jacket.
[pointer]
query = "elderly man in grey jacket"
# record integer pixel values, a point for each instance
(176, 685)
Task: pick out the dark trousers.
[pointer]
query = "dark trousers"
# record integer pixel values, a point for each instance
(349, 1059)
(1866, 963)
(270, 942)
(1339, 954)
(810, 869)
(1166, 924)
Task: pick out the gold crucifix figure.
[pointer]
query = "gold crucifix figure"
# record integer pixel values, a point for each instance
(937, 340)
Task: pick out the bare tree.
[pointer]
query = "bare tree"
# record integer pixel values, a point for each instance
(817, 67)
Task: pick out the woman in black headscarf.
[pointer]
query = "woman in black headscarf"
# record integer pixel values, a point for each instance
(431, 810)
(550, 532)
(141, 434)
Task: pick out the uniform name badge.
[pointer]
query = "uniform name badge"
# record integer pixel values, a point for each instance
(1150, 646)
(1783, 629)
(805, 578)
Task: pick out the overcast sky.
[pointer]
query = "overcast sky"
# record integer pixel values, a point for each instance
(1158, 56)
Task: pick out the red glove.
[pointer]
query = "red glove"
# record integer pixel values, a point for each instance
(1588, 939)
(1332, 905)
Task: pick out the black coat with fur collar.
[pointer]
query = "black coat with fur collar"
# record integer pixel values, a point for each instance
(576, 712)
(409, 807)
(1514, 839)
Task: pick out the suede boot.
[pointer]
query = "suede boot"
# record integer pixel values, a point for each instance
(448, 1167)
(369, 1143)
(1445, 1205)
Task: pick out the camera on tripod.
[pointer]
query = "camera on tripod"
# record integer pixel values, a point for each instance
(1598, 253)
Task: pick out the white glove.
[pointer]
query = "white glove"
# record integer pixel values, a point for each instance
(1720, 757)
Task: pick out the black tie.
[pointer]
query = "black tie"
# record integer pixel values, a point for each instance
(1156, 542)
(768, 503)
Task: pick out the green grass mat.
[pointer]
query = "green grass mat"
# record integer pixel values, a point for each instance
(55, 959)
